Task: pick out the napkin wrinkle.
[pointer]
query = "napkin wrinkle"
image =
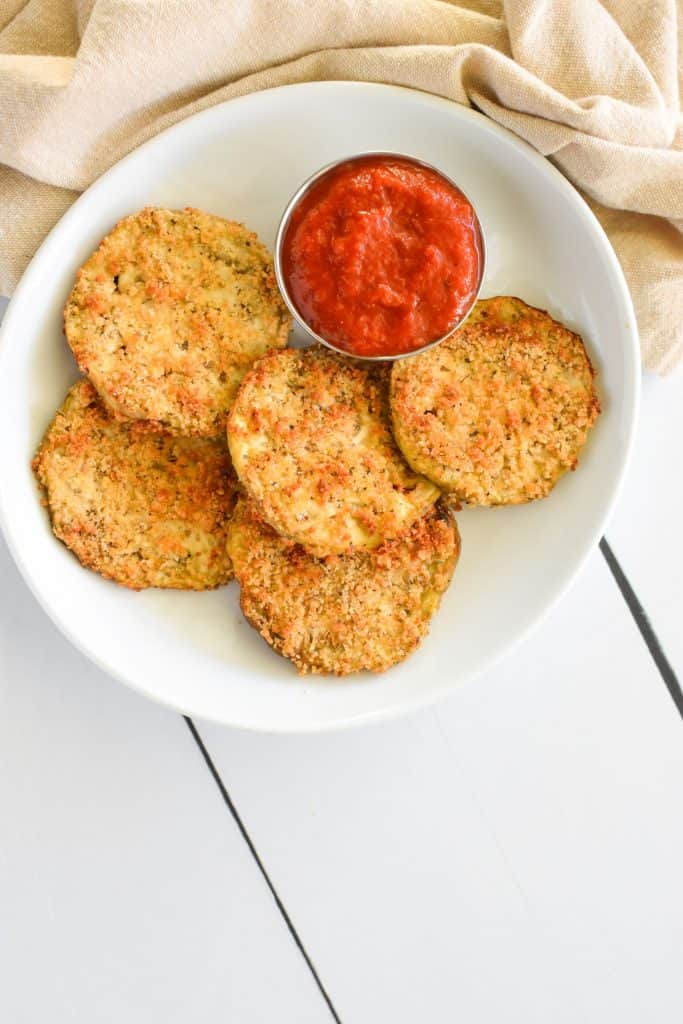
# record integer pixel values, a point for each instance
(9, 11)
(594, 86)
(626, 77)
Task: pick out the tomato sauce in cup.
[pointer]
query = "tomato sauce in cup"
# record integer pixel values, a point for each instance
(381, 256)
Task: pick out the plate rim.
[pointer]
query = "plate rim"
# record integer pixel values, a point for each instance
(633, 364)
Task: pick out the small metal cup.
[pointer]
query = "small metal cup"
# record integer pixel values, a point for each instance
(282, 231)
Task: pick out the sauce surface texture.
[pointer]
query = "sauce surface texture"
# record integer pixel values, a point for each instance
(382, 256)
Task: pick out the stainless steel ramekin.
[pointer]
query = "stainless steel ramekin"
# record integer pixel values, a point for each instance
(282, 231)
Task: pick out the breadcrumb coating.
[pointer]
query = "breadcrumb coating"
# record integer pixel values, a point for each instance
(310, 438)
(344, 613)
(498, 412)
(141, 507)
(170, 312)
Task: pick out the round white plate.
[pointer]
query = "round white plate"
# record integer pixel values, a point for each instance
(243, 160)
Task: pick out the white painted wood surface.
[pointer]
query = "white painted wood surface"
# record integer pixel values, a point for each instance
(646, 530)
(126, 891)
(512, 854)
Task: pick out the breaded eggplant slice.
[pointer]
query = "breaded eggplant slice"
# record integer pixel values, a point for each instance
(311, 442)
(170, 312)
(141, 507)
(344, 613)
(498, 412)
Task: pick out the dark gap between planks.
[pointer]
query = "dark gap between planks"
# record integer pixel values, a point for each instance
(645, 626)
(252, 849)
(653, 645)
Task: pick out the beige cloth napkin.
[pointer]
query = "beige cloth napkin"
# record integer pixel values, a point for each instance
(594, 86)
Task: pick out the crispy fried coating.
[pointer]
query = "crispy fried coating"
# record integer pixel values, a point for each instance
(310, 438)
(498, 412)
(344, 613)
(141, 507)
(170, 312)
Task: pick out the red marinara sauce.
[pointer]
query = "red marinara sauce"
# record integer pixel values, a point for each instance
(382, 256)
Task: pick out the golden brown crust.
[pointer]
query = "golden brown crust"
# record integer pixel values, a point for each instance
(170, 312)
(344, 613)
(139, 506)
(498, 412)
(310, 438)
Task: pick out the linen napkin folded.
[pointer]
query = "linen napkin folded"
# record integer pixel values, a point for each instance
(593, 86)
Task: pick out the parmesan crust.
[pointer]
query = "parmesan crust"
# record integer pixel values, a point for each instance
(170, 312)
(498, 412)
(139, 506)
(310, 437)
(344, 613)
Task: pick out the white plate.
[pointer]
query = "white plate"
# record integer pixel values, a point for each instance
(243, 160)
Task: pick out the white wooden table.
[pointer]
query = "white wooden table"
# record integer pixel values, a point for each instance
(514, 854)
